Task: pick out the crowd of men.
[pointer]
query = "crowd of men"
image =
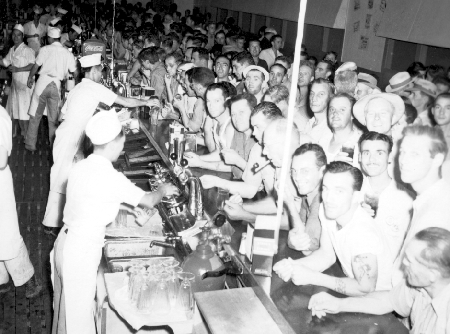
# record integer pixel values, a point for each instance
(369, 165)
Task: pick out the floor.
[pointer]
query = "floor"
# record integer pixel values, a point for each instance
(31, 174)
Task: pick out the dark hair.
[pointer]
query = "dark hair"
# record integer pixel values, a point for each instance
(274, 37)
(152, 38)
(230, 87)
(307, 64)
(250, 98)
(442, 80)
(286, 59)
(268, 109)
(202, 53)
(151, 54)
(435, 70)
(321, 157)
(443, 95)
(314, 59)
(338, 167)
(411, 113)
(330, 65)
(177, 56)
(219, 32)
(262, 31)
(435, 134)
(222, 56)
(334, 53)
(281, 66)
(201, 75)
(244, 57)
(372, 135)
(437, 252)
(220, 86)
(254, 40)
(415, 67)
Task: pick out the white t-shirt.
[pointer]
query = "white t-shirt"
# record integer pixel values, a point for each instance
(394, 213)
(359, 236)
(94, 193)
(318, 131)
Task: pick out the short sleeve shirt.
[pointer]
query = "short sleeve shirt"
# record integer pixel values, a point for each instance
(359, 236)
(266, 175)
(55, 61)
(242, 145)
(95, 191)
(427, 315)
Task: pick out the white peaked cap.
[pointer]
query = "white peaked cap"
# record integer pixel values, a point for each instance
(256, 68)
(77, 29)
(53, 32)
(103, 127)
(18, 27)
(62, 11)
(91, 60)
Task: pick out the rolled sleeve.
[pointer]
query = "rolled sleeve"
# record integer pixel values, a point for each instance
(127, 191)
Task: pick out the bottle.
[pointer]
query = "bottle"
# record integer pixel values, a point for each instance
(70, 83)
(243, 242)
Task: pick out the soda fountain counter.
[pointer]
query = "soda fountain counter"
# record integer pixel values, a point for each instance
(285, 302)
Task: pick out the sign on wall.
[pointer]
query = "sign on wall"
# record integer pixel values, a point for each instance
(361, 45)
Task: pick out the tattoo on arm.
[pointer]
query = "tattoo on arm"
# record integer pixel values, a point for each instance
(363, 268)
(340, 286)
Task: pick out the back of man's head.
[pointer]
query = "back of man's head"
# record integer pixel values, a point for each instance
(244, 58)
(278, 93)
(202, 76)
(436, 254)
(151, 54)
(321, 157)
(346, 82)
(269, 110)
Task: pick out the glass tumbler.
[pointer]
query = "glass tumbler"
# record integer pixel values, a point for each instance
(185, 298)
(173, 285)
(222, 196)
(161, 302)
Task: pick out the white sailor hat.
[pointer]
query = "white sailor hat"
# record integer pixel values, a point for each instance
(62, 11)
(77, 29)
(257, 68)
(91, 60)
(347, 66)
(18, 27)
(54, 21)
(53, 32)
(103, 127)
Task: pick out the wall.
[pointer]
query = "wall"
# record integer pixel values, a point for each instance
(398, 55)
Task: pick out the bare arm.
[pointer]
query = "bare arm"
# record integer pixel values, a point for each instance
(207, 131)
(365, 270)
(33, 71)
(130, 102)
(195, 122)
(266, 206)
(21, 69)
(3, 157)
(149, 200)
(245, 190)
(134, 69)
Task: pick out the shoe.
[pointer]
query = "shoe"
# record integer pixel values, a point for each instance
(52, 230)
(4, 288)
(33, 287)
(30, 148)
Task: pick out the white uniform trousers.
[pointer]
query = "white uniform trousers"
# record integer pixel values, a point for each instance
(20, 268)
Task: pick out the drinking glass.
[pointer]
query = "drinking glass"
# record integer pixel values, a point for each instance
(185, 298)
(145, 294)
(222, 196)
(161, 302)
(372, 200)
(173, 285)
(348, 148)
(135, 283)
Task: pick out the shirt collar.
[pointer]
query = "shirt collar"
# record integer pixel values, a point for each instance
(100, 159)
(57, 44)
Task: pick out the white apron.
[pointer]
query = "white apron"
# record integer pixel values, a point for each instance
(10, 238)
(80, 265)
(20, 98)
(41, 84)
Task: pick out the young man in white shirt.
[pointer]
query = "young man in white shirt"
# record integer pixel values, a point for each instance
(349, 235)
(387, 201)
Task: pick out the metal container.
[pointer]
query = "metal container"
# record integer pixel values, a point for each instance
(123, 76)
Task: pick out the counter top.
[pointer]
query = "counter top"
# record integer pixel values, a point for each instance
(290, 300)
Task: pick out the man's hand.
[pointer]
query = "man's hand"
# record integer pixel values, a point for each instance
(284, 269)
(209, 181)
(168, 189)
(179, 103)
(235, 211)
(298, 240)
(343, 156)
(30, 82)
(302, 275)
(167, 79)
(368, 209)
(230, 156)
(193, 159)
(322, 303)
(154, 103)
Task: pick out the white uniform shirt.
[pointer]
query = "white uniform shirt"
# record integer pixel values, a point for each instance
(269, 56)
(56, 61)
(359, 236)
(317, 132)
(265, 176)
(430, 209)
(94, 193)
(31, 29)
(393, 214)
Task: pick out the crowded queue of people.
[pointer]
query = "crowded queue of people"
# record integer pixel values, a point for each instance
(369, 169)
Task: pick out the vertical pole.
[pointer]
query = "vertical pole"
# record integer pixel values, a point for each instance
(290, 119)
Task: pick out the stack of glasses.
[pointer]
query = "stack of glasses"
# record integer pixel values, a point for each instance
(154, 287)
